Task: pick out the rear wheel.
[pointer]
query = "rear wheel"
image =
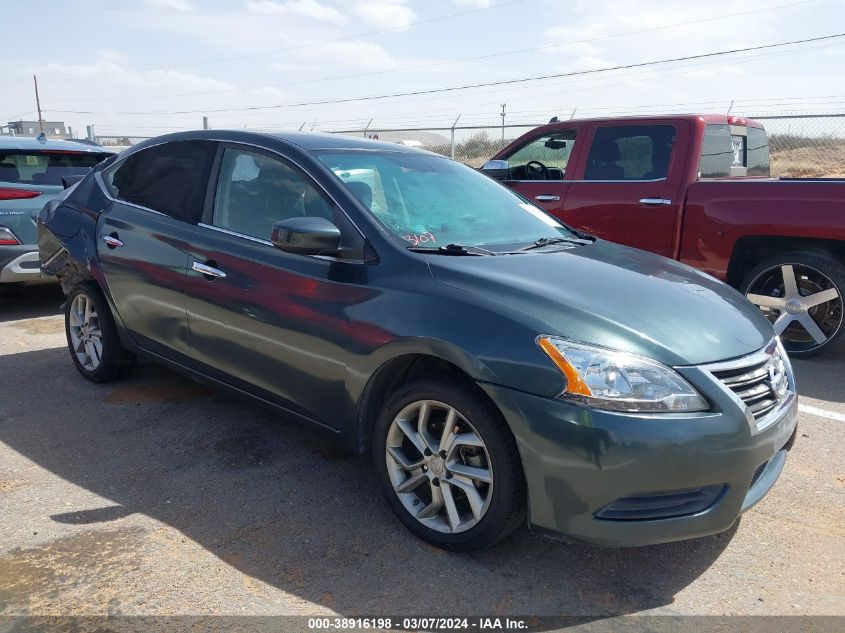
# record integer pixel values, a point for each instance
(92, 337)
(801, 294)
(448, 466)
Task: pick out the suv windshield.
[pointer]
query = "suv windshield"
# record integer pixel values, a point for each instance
(45, 167)
(431, 201)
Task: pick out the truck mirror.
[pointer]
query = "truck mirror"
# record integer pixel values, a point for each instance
(497, 169)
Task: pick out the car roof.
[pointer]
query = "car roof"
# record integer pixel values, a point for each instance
(30, 143)
(306, 141)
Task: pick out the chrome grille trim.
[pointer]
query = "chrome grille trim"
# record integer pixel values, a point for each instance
(749, 381)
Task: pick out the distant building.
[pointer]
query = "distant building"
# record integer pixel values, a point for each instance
(52, 128)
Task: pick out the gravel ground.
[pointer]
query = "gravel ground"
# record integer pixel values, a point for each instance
(158, 496)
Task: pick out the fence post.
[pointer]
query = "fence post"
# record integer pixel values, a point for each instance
(205, 123)
(367, 128)
(90, 130)
(452, 152)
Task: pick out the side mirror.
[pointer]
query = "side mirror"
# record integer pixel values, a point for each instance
(498, 169)
(306, 236)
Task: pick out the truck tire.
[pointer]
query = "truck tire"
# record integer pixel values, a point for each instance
(448, 465)
(92, 337)
(801, 294)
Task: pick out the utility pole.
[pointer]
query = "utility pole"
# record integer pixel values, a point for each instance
(205, 123)
(38, 105)
(504, 105)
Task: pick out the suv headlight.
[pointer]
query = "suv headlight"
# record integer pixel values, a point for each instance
(619, 381)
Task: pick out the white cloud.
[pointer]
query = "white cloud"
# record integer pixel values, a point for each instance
(385, 14)
(479, 4)
(176, 5)
(335, 55)
(301, 8)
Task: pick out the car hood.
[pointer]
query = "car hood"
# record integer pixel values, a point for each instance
(617, 297)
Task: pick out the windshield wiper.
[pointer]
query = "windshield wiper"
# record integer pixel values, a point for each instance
(452, 249)
(550, 241)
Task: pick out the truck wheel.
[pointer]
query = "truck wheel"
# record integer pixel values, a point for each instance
(801, 294)
(92, 337)
(448, 466)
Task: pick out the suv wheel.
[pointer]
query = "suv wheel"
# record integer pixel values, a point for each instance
(448, 466)
(92, 337)
(801, 294)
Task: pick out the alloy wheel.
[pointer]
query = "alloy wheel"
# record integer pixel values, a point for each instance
(86, 337)
(439, 466)
(803, 304)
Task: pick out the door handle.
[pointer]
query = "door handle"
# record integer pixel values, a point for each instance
(547, 197)
(209, 272)
(655, 201)
(112, 241)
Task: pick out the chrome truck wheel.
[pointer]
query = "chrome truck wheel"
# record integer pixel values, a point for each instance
(802, 297)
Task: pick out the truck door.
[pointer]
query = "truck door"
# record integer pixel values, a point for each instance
(628, 189)
(540, 169)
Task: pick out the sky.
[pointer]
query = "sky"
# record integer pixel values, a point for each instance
(145, 67)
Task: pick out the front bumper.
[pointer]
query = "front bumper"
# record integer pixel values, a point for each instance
(579, 461)
(21, 263)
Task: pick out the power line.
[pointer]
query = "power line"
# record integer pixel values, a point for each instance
(456, 60)
(476, 85)
(338, 39)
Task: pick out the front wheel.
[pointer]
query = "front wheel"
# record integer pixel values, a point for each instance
(449, 466)
(801, 294)
(92, 337)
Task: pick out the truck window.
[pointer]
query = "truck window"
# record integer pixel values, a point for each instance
(757, 152)
(630, 152)
(543, 158)
(717, 152)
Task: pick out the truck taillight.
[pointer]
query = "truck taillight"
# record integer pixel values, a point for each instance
(7, 238)
(7, 193)
(737, 120)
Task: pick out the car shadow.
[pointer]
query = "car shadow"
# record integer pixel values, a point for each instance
(26, 302)
(816, 377)
(285, 505)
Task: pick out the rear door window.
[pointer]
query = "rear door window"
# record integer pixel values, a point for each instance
(170, 178)
(630, 152)
(717, 152)
(46, 167)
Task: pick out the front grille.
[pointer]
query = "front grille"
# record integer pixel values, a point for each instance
(760, 383)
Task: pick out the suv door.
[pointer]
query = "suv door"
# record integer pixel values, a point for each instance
(268, 322)
(630, 184)
(143, 239)
(540, 169)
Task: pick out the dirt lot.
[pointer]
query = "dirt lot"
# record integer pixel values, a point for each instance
(159, 496)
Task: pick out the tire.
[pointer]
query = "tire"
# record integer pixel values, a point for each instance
(807, 326)
(92, 339)
(497, 508)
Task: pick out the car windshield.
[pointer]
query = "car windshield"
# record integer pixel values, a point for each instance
(45, 167)
(432, 202)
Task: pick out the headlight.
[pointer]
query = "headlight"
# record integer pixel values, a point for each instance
(619, 381)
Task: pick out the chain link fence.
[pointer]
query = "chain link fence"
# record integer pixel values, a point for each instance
(805, 146)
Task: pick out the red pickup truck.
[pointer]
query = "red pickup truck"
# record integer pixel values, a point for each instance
(696, 188)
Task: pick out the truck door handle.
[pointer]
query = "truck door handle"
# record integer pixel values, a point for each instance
(112, 240)
(547, 197)
(209, 272)
(655, 201)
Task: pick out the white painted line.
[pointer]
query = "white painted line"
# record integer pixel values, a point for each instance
(823, 413)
